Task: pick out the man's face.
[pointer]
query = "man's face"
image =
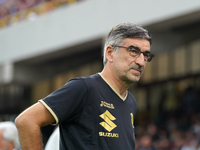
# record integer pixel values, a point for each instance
(128, 68)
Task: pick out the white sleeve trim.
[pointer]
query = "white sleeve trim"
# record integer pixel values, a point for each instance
(51, 111)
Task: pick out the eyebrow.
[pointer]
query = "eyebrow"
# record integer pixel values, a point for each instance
(136, 47)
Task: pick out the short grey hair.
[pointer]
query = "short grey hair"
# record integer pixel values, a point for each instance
(122, 31)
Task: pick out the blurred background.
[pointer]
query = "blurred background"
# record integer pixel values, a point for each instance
(44, 43)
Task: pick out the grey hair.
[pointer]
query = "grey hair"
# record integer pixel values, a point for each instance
(122, 31)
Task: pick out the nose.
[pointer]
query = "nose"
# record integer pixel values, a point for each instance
(141, 60)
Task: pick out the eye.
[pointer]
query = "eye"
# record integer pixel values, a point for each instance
(147, 54)
(133, 51)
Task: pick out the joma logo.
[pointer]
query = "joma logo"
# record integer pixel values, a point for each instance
(108, 105)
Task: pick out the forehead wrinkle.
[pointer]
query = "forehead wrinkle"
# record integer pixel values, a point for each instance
(142, 44)
(138, 48)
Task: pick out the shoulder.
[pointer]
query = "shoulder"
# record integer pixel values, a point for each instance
(87, 80)
(132, 102)
(131, 98)
(130, 95)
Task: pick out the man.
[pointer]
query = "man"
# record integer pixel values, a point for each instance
(8, 136)
(95, 112)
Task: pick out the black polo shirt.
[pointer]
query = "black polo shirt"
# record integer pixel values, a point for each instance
(92, 116)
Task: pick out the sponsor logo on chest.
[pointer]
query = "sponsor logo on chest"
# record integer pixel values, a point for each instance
(108, 121)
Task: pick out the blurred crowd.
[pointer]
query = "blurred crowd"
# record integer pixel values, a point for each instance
(175, 129)
(175, 134)
(14, 11)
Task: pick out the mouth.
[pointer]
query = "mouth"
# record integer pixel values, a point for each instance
(137, 70)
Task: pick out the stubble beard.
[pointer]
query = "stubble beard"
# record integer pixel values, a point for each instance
(130, 77)
(134, 73)
(134, 77)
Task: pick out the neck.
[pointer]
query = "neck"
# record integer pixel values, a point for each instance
(119, 86)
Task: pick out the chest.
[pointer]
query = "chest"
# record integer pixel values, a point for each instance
(109, 114)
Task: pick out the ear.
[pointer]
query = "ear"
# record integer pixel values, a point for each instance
(109, 53)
